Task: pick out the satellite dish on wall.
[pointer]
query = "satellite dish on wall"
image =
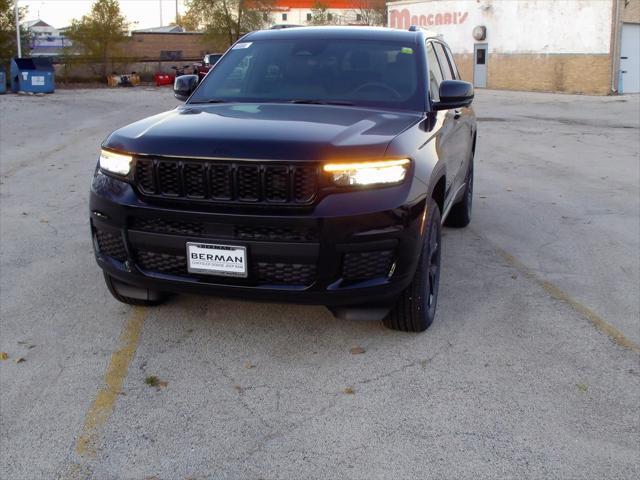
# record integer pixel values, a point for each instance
(480, 32)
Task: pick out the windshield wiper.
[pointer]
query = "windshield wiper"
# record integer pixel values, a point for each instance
(322, 102)
(213, 100)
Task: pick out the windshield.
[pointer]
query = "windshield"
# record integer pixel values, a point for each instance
(338, 71)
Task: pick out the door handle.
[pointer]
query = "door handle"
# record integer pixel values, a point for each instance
(457, 112)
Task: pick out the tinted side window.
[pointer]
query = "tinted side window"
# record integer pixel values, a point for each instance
(435, 75)
(452, 61)
(447, 72)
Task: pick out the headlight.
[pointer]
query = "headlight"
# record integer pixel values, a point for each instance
(368, 173)
(115, 162)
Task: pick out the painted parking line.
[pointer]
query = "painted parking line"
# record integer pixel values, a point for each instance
(102, 406)
(602, 325)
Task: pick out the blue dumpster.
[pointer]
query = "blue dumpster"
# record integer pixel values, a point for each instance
(3, 82)
(32, 75)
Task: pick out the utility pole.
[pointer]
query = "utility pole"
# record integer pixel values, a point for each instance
(160, 3)
(177, 14)
(18, 30)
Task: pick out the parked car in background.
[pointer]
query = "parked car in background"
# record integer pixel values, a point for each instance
(312, 165)
(209, 60)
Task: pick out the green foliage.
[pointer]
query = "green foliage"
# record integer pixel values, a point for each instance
(320, 15)
(8, 48)
(231, 18)
(101, 33)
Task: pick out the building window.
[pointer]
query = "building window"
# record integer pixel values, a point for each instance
(308, 17)
(329, 16)
(358, 17)
(284, 17)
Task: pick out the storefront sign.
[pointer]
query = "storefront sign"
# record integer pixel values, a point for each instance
(403, 19)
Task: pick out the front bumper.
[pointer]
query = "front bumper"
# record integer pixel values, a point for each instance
(350, 248)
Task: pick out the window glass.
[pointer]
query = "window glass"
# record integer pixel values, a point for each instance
(355, 71)
(284, 17)
(452, 61)
(435, 75)
(480, 56)
(308, 17)
(447, 72)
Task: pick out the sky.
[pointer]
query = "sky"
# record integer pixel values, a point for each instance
(59, 13)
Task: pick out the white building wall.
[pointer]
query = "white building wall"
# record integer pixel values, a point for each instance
(513, 26)
(298, 16)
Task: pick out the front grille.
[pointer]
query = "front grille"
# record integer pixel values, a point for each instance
(162, 262)
(293, 274)
(111, 245)
(239, 182)
(159, 225)
(258, 233)
(276, 234)
(286, 273)
(366, 265)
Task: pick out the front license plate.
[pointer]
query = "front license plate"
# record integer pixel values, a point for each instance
(226, 260)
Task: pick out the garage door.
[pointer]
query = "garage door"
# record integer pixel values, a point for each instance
(630, 59)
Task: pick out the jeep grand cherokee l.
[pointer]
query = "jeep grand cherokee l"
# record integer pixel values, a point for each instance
(312, 165)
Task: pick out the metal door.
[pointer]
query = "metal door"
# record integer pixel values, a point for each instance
(630, 59)
(480, 57)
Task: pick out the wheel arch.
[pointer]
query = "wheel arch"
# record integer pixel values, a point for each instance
(438, 191)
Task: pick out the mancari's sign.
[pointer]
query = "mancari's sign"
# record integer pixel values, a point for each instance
(402, 19)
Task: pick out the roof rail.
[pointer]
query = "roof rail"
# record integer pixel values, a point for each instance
(428, 33)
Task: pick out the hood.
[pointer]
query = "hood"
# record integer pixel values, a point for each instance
(264, 131)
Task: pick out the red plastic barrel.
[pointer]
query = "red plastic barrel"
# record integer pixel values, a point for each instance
(164, 79)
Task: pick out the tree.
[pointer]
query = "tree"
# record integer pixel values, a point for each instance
(231, 18)
(320, 14)
(372, 12)
(190, 21)
(101, 33)
(8, 47)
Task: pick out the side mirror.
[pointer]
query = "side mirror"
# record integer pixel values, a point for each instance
(454, 94)
(184, 86)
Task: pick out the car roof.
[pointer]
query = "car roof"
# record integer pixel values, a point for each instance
(329, 32)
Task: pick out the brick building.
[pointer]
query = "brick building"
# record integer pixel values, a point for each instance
(577, 46)
(159, 45)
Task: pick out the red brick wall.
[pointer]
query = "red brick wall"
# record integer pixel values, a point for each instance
(147, 46)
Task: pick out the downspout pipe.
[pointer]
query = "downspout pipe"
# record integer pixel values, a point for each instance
(615, 48)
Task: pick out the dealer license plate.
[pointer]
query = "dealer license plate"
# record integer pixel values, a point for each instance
(226, 260)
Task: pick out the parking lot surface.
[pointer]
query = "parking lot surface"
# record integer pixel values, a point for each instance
(531, 369)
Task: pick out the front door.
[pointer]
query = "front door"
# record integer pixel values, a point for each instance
(480, 56)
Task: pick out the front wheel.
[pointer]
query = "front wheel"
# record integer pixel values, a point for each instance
(415, 310)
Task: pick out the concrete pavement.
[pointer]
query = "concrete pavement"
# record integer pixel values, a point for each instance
(529, 371)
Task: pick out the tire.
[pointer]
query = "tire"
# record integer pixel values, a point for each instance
(460, 214)
(153, 297)
(415, 309)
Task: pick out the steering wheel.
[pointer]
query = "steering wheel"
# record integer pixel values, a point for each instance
(379, 85)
